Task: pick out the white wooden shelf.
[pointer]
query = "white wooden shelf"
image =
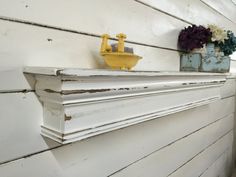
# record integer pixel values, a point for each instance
(80, 103)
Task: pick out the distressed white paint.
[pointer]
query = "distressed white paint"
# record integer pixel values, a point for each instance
(81, 103)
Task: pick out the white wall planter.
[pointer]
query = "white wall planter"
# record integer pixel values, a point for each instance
(81, 103)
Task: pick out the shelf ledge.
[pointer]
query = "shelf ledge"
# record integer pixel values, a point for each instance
(81, 103)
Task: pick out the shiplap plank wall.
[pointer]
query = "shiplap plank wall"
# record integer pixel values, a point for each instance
(66, 33)
(97, 153)
(218, 167)
(198, 150)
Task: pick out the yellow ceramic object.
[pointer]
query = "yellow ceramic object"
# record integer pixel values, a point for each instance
(119, 59)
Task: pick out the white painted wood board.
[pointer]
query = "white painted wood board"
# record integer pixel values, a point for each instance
(221, 166)
(20, 120)
(23, 45)
(217, 168)
(225, 7)
(200, 163)
(154, 27)
(140, 23)
(233, 66)
(228, 88)
(115, 152)
(193, 11)
(166, 161)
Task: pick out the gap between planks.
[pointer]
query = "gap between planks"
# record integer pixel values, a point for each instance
(17, 91)
(26, 22)
(181, 19)
(162, 11)
(200, 152)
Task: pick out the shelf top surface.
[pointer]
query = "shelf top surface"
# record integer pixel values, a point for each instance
(57, 71)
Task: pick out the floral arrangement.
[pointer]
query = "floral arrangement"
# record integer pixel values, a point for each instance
(218, 34)
(229, 44)
(193, 37)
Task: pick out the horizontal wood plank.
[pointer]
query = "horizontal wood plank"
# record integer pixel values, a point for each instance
(193, 11)
(21, 117)
(201, 162)
(143, 24)
(228, 88)
(221, 167)
(225, 7)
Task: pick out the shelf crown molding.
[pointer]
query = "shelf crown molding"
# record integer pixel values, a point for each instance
(81, 103)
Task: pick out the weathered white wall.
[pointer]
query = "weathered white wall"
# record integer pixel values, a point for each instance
(197, 142)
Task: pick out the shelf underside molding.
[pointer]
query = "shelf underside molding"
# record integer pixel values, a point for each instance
(80, 103)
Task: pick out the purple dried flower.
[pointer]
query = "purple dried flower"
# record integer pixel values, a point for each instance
(193, 37)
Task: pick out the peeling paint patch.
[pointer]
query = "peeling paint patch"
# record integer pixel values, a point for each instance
(68, 80)
(67, 118)
(124, 89)
(68, 92)
(50, 91)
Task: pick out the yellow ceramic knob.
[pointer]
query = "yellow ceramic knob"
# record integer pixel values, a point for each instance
(105, 47)
(121, 38)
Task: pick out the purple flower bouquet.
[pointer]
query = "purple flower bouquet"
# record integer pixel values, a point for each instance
(193, 37)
